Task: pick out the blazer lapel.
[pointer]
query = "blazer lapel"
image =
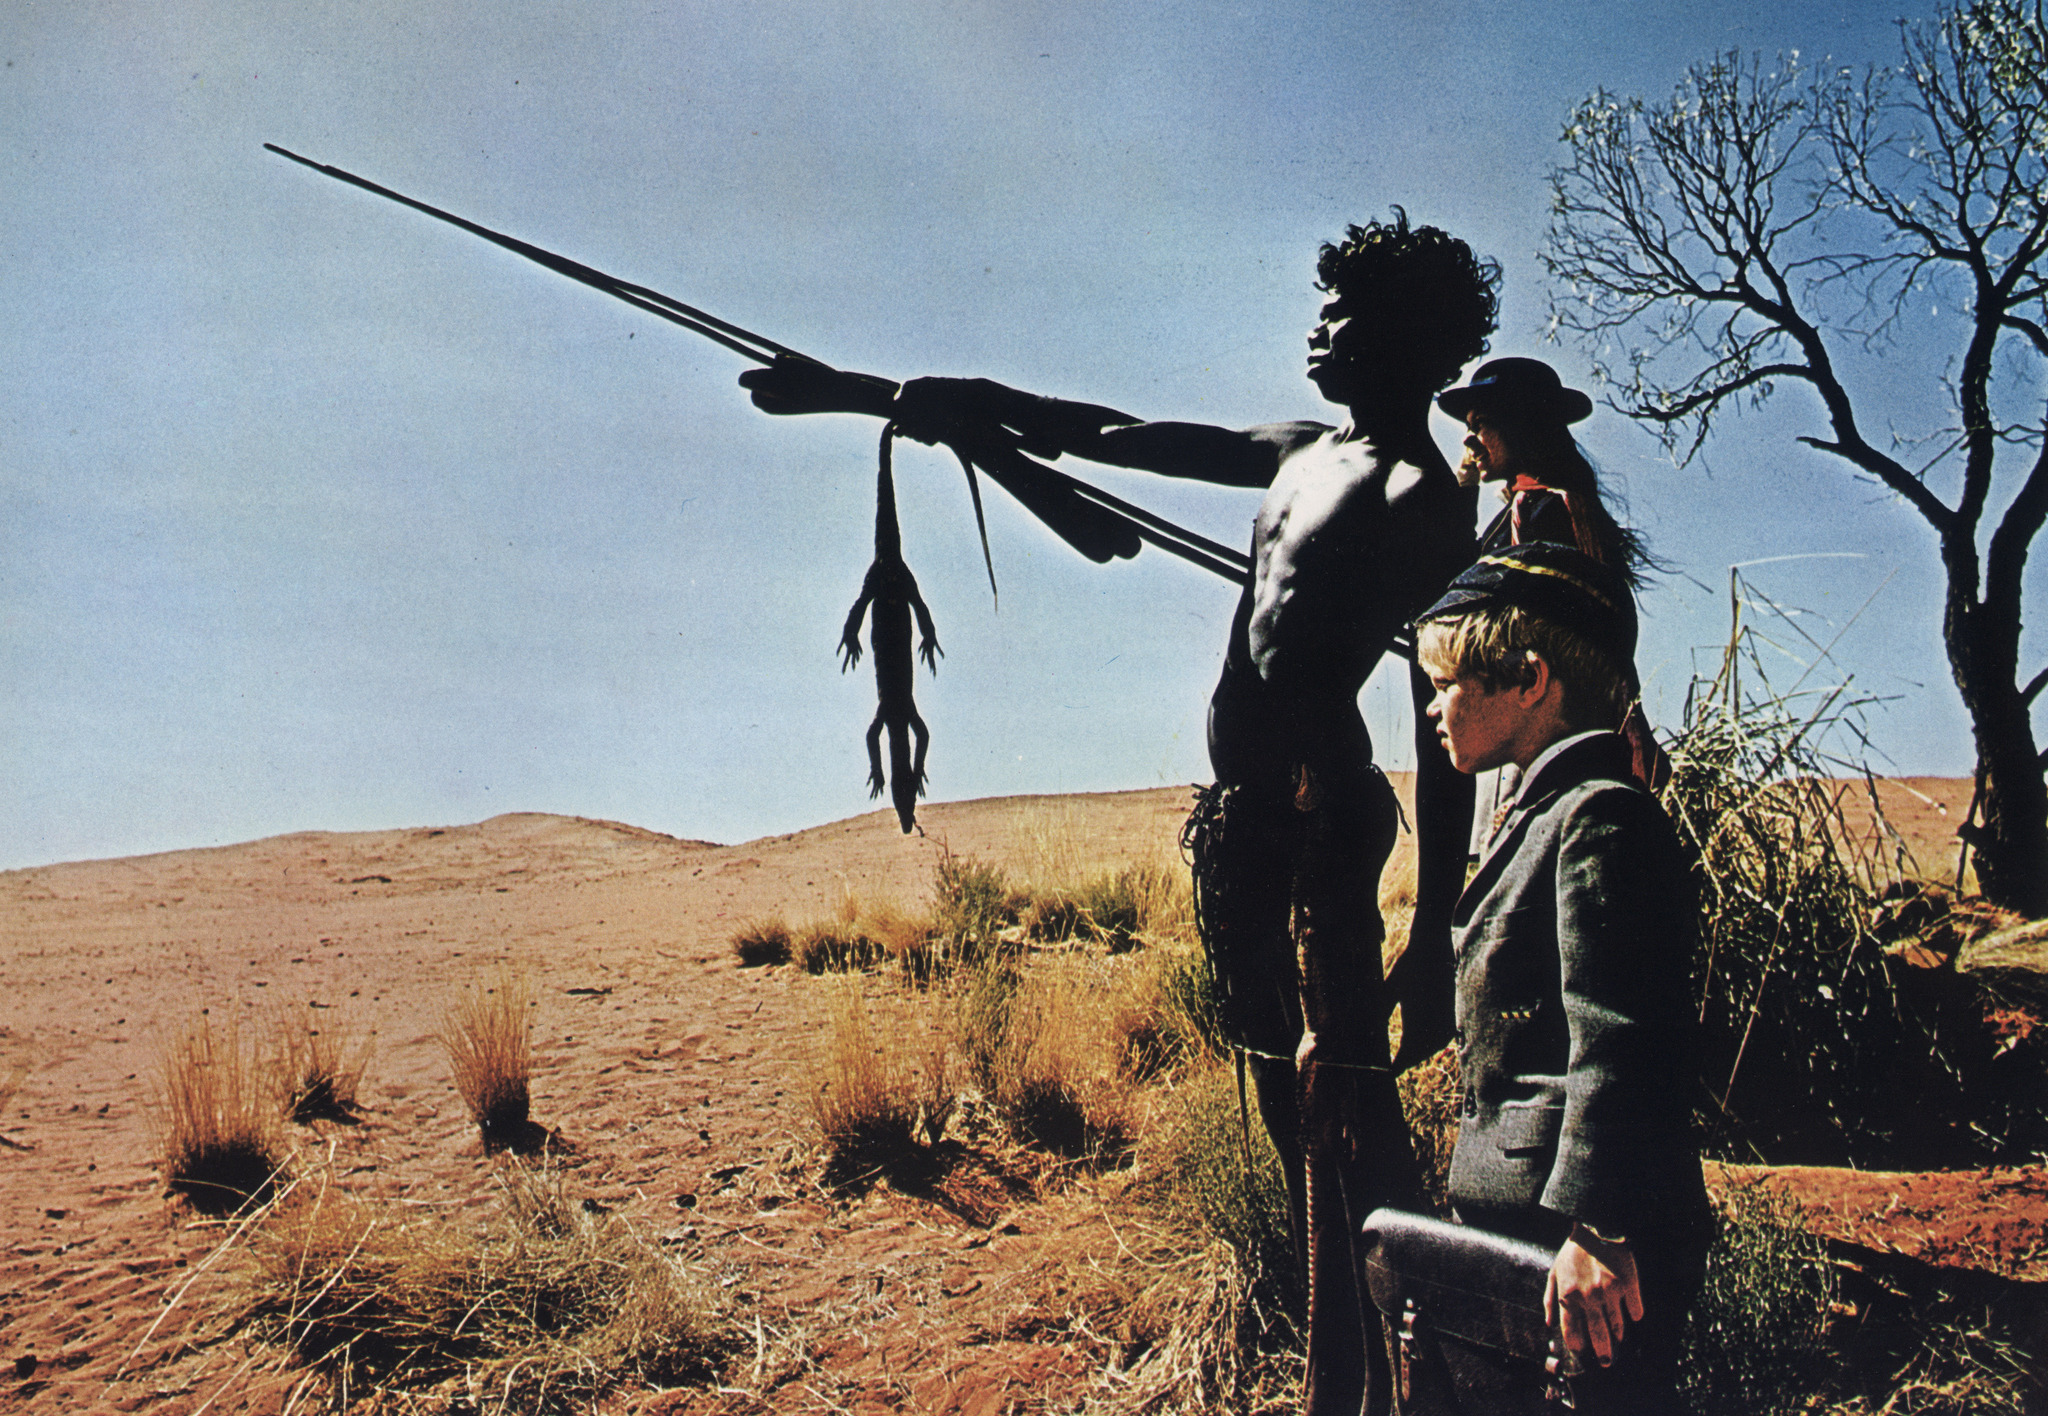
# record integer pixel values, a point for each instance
(1561, 765)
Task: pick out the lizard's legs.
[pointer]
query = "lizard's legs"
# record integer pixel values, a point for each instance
(924, 739)
(875, 779)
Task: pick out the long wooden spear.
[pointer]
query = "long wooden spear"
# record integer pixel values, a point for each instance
(1095, 523)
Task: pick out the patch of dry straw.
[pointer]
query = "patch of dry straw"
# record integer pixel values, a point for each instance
(542, 1306)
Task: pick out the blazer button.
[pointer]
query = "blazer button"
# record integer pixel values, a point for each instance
(1471, 1102)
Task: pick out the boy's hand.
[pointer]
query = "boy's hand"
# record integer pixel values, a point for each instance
(1592, 1289)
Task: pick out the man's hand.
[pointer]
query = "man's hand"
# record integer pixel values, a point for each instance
(934, 410)
(799, 386)
(1592, 1289)
(1421, 983)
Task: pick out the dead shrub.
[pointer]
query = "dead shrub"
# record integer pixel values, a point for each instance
(1815, 1046)
(218, 1138)
(317, 1068)
(762, 942)
(543, 1307)
(489, 1040)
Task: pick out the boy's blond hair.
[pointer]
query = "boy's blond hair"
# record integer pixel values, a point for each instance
(1491, 643)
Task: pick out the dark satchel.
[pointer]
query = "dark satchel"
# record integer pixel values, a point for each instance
(1463, 1313)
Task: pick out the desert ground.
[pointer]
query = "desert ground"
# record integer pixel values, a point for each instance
(671, 1073)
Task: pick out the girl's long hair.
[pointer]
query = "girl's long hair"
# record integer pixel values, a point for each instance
(1546, 450)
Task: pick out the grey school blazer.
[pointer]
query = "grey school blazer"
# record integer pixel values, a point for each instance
(1574, 944)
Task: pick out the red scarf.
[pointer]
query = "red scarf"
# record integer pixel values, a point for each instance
(1582, 524)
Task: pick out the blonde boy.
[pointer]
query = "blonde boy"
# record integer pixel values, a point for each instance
(1574, 944)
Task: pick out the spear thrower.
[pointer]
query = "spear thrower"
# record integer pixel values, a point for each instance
(1100, 526)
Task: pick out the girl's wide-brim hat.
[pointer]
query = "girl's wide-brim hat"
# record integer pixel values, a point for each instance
(1528, 387)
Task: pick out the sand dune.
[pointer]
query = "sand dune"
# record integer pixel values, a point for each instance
(659, 1059)
(663, 1063)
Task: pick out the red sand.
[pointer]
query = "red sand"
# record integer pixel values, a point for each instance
(665, 1064)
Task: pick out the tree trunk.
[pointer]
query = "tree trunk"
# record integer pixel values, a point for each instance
(2009, 841)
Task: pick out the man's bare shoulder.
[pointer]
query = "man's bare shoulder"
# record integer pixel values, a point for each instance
(1288, 439)
(1424, 477)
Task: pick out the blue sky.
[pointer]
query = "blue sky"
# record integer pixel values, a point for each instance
(321, 515)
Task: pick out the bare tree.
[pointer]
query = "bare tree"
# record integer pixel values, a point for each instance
(1773, 224)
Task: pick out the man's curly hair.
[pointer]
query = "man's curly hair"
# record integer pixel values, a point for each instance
(1440, 299)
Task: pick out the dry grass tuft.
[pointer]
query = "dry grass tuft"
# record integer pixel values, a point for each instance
(1397, 886)
(543, 1308)
(1221, 1177)
(761, 942)
(218, 1138)
(878, 1106)
(1429, 1102)
(1754, 1339)
(317, 1068)
(972, 903)
(834, 946)
(1163, 1013)
(1068, 896)
(1174, 1309)
(1119, 910)
(1200, 1303)
(1052, 1072)
(11, 1078)
(489, 1040)
(907, 940)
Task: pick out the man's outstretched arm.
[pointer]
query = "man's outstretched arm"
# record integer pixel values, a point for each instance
(936, 409)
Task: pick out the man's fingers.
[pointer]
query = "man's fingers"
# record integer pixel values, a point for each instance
(1632, 1297)
(1550, 1302)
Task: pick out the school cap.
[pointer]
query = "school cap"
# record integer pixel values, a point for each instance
(1560, 583)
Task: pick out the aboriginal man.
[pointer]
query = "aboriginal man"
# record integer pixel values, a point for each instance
(1361, 527)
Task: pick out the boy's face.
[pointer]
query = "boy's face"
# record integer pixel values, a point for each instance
(1480, 727)
(1477, 725)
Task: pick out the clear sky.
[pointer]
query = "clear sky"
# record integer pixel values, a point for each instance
(321, 515)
